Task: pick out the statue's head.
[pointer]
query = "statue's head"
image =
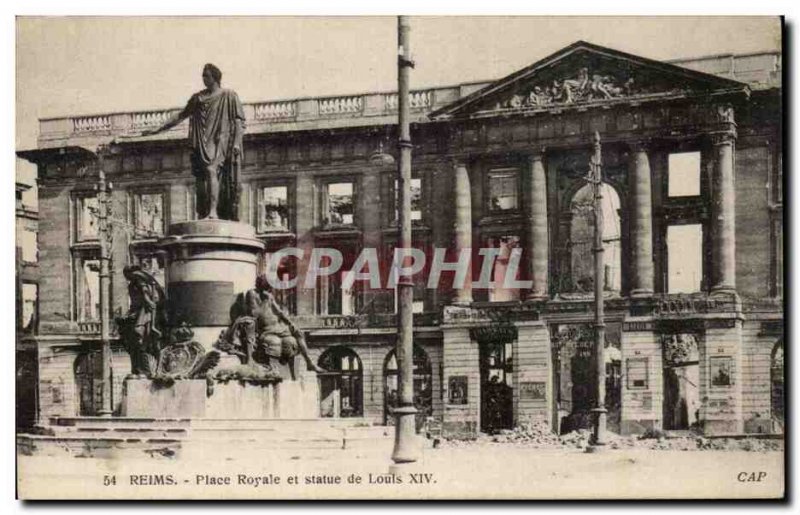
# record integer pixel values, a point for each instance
(128, 271)
(211, 75)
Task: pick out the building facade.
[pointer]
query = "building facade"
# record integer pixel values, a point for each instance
(692, 216)
(26, 305)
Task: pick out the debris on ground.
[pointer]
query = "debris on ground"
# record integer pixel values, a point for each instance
(541, 436)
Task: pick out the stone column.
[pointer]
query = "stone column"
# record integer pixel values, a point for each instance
(641, 221)
(462, 227)
(723, 215)
(535, 235)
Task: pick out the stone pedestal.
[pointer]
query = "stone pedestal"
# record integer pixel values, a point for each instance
(211, 265)
(184, 399)
(211, 262)
(231, 401)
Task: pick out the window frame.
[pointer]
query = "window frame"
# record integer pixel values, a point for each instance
(79, 257)
(703, 237)
(497, 236)
(291, 203)
(700, 163)
(79, 199)
(134, 197)
(494, 171)
(324, 205)
(35, 313)
(23, 246)
(393, 207)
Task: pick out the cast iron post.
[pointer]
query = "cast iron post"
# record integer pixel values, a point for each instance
(104, 230)
(405, 424)
(596, 164)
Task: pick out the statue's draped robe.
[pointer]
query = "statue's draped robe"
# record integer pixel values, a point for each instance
(216, 126)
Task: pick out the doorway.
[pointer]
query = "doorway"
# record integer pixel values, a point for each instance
(681, 382)
(341, 386)
(423, 387)
(88, 373)
(497, 394)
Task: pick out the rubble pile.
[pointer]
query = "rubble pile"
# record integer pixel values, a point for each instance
(537, 435)
(541, 436)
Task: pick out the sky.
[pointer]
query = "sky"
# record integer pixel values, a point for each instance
(89, 65)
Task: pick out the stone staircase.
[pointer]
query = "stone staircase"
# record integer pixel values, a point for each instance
(110, 437)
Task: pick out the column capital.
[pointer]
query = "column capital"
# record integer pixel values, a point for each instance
(724, 113)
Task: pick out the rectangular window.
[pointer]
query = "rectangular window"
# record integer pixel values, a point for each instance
(777, 288)
(86, 220)
(87, 278)
(333, 298)
(416, 200)
(684, 258)
(148, 215)
(285, 271)
(505, 245)
(684, 174)
(273, 212)
(339, 208)
(503, 189)
(30, 295)
(30, 247)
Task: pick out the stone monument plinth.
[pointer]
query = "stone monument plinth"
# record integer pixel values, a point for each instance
(231, 400)
(210, 263)
(205, 366)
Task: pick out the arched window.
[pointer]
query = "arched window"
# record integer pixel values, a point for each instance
(776, 382)
(341, 387)
(423, 386)
(582, 239)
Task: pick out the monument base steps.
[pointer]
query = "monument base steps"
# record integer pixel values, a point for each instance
(112, 437)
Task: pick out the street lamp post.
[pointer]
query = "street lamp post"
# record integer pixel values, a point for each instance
(405, 424)
(596, 177)
(104, 233)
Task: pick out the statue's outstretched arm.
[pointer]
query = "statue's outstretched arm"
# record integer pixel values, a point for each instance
(173, 120)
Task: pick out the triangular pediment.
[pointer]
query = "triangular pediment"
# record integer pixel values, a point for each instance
(584, 74)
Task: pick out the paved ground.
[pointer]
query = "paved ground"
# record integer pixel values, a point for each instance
(474, 471)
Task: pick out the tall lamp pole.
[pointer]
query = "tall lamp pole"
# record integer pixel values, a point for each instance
(596, 177)
(104, 234)
(405, 424)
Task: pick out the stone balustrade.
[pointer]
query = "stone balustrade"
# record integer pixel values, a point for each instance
(761, 70)
(89, 327)
(417, 100)
(150, 119)
(91, 123)
(259, 114)
(340, 105)
(282, 110)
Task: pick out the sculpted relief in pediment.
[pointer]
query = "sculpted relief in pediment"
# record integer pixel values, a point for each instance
(585, 86)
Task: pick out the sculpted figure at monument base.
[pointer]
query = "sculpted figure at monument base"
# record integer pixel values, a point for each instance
(142, 328)
(262, 332)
